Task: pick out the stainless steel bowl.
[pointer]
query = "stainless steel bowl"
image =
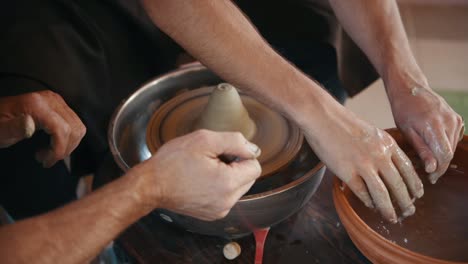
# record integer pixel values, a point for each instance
(268, 202)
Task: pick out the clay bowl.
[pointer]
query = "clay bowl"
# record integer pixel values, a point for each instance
(438, 231)
(269, 201)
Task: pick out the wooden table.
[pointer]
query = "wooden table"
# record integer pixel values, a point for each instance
(313, 235)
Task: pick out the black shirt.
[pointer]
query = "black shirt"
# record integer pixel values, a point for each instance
(93, 53)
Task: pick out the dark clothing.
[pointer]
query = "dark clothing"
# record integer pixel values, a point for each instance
(94, 53)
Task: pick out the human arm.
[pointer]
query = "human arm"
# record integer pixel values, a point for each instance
(426, 120)
(217, 34)
(185, 176)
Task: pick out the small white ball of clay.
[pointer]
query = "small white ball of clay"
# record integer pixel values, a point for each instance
(231, 250)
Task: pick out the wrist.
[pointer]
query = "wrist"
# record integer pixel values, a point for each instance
(401, 80)
(306, 103)
(143, 190)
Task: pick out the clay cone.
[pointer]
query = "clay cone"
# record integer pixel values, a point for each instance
(225, 112)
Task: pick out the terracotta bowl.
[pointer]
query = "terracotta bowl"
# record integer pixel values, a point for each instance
(437, 233)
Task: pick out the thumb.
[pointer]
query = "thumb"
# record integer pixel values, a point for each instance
(234, 146)
(16, 129)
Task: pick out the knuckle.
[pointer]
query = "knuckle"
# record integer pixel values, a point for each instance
(365, 168)
(66, 130)
(239, 137)
(51, 96)
(447, 157)
(236, 137)
(386, 138)
(33, 100)
(423, 150)
(54, 95)
(203, 135)
(350, 179)
(459, 119)
(258, 168)
(47, 93)
(82, 130)
(366, 176)
(79, 131)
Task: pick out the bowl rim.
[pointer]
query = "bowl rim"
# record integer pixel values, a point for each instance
(173, 74)
(344, 209)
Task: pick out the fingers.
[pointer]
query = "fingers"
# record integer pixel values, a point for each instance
(442, 149)
(77, 129)
(423, 150)
(59, 130)
(462, 131)
(241, 177)
(380, 196)
(397, 186)
(53, 115)
(454, 130)
(244, 172)
(16, 129)
(231, 202)
(406, 169)
(231, 144)
(358, 187)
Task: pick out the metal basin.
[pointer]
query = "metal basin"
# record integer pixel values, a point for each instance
(269, 201)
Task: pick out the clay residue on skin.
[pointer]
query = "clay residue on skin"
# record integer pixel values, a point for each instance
(415, 90)
(444, 150)
(29, 126)
(434, 223)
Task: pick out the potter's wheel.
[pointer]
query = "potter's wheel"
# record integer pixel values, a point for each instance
(270, 200)
(278, 138)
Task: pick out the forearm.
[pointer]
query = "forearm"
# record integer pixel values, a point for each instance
(77, 232)
(377, 28)
(218, 34)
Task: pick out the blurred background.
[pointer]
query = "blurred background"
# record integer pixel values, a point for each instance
(438, 33)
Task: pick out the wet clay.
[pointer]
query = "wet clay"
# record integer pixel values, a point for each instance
(279, 139)
(226, 112)
(439, 228)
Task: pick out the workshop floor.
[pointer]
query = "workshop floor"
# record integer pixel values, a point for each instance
(439, 37)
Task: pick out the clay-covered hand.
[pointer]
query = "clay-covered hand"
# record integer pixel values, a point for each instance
(429, 123)
(187, 176)
(368, 161)
(22, 115)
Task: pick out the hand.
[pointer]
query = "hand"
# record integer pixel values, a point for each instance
(428, 122)
(187, 176)
(22, 115)
(368, 161)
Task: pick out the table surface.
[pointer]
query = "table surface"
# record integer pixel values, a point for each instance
(313, 235)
